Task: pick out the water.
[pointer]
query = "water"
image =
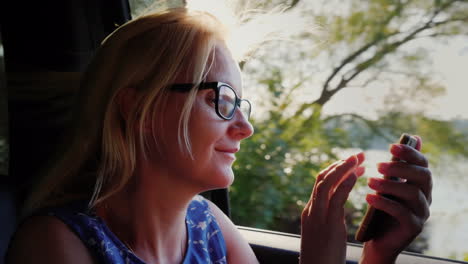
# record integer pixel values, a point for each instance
(448, 224)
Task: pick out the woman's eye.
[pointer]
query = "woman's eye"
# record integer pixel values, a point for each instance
(211, 98)
(227, 100)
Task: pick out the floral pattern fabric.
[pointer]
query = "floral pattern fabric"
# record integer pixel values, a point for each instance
(205, 242)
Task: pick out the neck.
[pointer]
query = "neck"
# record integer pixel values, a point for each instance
(149, 217)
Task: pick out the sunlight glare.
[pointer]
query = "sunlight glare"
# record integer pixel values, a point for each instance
(249, 27)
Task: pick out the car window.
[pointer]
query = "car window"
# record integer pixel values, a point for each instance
(365, 72)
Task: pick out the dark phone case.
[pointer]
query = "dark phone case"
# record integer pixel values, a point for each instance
(376, 221)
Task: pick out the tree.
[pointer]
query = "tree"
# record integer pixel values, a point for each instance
(367, 48)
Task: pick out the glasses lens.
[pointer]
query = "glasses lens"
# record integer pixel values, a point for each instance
(245, 108)
(226, 101)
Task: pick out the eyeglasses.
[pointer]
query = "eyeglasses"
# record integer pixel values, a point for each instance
(226, 99)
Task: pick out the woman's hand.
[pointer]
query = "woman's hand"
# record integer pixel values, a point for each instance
(323, 238)
(410, 209)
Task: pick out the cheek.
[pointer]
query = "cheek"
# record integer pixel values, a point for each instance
(206, 130)
(202, 141)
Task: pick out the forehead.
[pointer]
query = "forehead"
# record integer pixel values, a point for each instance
(225, 69)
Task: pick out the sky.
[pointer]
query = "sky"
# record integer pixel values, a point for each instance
(447, 60)
(450, 64)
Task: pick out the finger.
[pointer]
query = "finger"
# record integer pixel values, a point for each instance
(339, 173)
(325, 171)
(336, 176)
(419, 176)
(402, 214)
(360, 171)
(318, 179)
(409, 154)
(411, 196)
(361, 157)
(419, 143)
(340, 196)
(322, 190)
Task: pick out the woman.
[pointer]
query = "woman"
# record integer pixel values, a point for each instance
(159, 120)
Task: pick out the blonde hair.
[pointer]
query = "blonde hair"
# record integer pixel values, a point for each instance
(146, 54)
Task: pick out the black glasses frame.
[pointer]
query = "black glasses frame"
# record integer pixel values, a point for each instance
(186, 87)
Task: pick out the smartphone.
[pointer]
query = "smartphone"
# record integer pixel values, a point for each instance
(375, 221)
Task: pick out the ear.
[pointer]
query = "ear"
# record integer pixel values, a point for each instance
(125, 99)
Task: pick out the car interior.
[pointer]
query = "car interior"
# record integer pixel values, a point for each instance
(47, 44)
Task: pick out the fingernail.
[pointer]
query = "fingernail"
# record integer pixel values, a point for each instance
(395, 149)
(361, 156)
(370, 198)
(373, 183)
(360, 171)
(382, 167)
(418, 146)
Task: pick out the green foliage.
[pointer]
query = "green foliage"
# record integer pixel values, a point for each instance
(276, 167)
(275, 172)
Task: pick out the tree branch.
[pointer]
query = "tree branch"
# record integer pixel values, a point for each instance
(287, 99)
(381, 53)
(351, 57)
(369, 123)
(369, 80)
(327, 93)
(293, 4)
(462, 19)
(364, 48)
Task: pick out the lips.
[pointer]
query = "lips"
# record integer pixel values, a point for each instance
(230, 153)
(227, 150)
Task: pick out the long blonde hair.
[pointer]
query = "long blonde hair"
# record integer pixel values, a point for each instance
(146, 54)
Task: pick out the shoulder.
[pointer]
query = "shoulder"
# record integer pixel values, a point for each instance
(238, 250)
(46, 239)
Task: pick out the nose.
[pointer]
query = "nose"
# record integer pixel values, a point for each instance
(241, 128)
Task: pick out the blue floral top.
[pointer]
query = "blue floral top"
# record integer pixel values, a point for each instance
(205, 240)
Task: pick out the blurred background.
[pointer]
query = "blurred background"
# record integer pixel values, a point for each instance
(377, 69)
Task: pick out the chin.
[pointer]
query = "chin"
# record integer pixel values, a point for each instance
(222, 179)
